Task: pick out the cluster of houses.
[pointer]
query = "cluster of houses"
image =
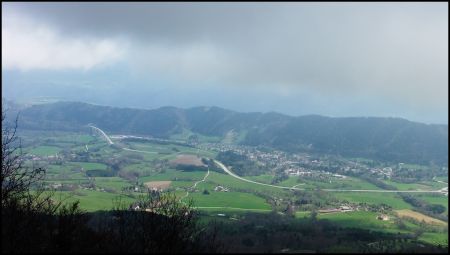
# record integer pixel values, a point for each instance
(382, 172)
(41, 158)
(300, 171)
(148, 138)
(350, 208)
(289, 163)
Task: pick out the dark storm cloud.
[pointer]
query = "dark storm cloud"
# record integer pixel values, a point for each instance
(177, 22)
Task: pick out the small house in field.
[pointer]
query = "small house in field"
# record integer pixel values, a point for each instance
(382, 217)
(345, 208)
(220, 188)
(135, 206)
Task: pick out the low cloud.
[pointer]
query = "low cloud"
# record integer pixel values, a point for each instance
(27, 45)
(392, 54)
(188, 63)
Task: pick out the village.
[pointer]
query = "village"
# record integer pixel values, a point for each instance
(301, 164)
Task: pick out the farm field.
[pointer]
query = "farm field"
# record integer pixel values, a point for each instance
(89, 165)
(360, 219)
(302, 214)
(435, 199)
(368, 220)
(229, 199)
(235, 184)
(330, 183)
(94, 200)
(185, 159)
(264, 178)
(43, 150)
(390, 199)
(116, 184)
(435, 238)
(162, 148)
(419, 216)
(174, 175)
(137, 171)
(291, 181)
(160, 185)
(416, 186)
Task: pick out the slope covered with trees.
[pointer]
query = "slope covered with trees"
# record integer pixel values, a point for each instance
(391, 139)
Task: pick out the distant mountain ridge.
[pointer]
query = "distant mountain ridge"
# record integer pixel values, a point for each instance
(392, 139)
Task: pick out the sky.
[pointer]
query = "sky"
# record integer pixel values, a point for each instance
(332, 59)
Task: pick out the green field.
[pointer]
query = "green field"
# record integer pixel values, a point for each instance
(115, 183)
(236, 184)
(74, 138)
(358, 219)
(435, 199)
(390, 199)
(264, 178)
(291, 181)
(44, 150)
(416, 186)
(93, 200)
(302, 214)
(58, 169)
(229, 199)
(435, 238)
(367, 220)
(160, 149)
(242, 196)
(330, 183)
(172, 175)
(89, 165)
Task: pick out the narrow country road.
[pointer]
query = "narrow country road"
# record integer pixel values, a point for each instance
(195, 185)
(150, 152)
(442, 191)
(246, 180)
(330, 190)
(298, 185)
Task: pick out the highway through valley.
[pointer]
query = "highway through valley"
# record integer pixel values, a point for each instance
(226, 170)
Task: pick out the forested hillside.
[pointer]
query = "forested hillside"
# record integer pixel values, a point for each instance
(391, 139)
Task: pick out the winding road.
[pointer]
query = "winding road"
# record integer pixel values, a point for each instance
(150, 152)
(246, 180)
(103, 133)
(298, 185)
(442, 191)
(195, 185)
